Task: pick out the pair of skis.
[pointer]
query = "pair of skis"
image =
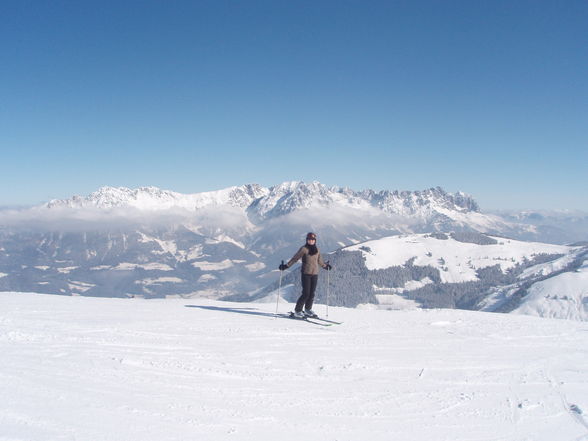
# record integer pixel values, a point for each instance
(314, 320)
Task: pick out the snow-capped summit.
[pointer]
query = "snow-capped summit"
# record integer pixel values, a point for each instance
(110, 197)
(153, 198)
(291, 196)
(426, 202)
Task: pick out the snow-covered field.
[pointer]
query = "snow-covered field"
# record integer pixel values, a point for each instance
(76, 368)
(456, 261)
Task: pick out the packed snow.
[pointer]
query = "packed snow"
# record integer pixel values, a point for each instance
(88, 369)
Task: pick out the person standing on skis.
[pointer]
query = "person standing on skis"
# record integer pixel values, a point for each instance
(311, 260)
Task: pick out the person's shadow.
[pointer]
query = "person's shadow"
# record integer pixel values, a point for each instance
(247, 311)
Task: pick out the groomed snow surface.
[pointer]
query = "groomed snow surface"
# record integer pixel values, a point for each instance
(89, 369)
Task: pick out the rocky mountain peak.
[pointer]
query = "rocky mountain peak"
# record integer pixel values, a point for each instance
(287, 197)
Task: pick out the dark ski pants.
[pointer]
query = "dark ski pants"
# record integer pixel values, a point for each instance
(309, 282)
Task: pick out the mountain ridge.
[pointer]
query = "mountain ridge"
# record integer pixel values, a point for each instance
(270, 202)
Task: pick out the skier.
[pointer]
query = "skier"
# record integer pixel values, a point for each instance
(311, 259)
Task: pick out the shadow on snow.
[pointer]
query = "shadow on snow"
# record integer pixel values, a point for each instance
(247, 311)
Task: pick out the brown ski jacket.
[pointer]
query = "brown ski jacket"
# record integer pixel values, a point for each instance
(310, 264)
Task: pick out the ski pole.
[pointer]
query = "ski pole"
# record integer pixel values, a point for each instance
(279, 288)
(328, 288)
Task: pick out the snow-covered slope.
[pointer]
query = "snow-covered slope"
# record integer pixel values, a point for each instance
(88, 369)
(562, 296)
(455, 259)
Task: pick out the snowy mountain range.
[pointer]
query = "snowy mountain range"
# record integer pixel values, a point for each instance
(263, 203)
(149, 242)
(412, 210)
(153, 198)
(428, 209)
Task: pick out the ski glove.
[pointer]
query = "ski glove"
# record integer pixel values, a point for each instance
(283, 267)
(328, 267)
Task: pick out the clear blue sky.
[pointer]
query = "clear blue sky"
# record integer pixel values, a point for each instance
(487, 97)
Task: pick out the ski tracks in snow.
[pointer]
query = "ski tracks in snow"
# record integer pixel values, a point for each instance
(105, 369)
(573, 410)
